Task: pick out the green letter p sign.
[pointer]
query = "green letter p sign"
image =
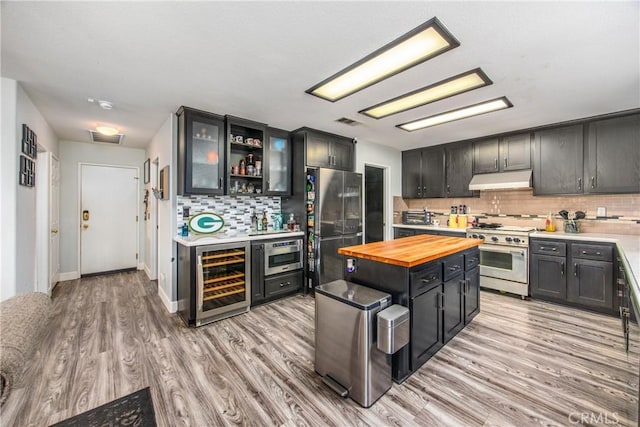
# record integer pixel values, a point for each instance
(206, 223)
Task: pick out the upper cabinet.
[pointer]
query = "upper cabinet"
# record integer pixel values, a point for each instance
(245, 156)
(277, 164)
(507, 153)
(326, 150)
(201, 152)
(459, 167)
(558, 161)
(423, 173)
(612, 156)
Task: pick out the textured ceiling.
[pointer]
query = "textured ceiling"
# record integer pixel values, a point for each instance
(555, 61)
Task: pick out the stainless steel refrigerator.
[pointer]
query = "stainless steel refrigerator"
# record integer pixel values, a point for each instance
(334, 220)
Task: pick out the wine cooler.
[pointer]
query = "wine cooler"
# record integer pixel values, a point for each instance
(213, 282)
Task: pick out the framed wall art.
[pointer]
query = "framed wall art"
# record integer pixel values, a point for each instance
(147, 171)
(29, 142)
(27, 175)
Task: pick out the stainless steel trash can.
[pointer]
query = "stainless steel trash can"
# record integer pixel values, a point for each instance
(346, 354)
(393, 328)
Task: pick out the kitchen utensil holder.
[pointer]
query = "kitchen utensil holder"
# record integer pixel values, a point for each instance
(571, 226)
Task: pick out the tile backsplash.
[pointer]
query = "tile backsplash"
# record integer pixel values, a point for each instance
(523, 202)
(236, 211)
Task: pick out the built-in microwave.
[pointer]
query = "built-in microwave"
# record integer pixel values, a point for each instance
(282, 256)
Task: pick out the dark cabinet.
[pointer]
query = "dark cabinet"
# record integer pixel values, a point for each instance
(548, 277)
(326, 150)
(201, 153)
(507, 153)
(403, 232)
(452, 307)
(459, 169)
(257, 273)
(277, 163)
(612, 156)
(426, 325)
(471, 294)
(575, 273)
(423, 172)
(558, 161)
(269, 288)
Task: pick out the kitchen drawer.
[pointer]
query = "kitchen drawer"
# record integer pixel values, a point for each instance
(591, 251)
(283, 283)
(452, 266)
(545, 247)
(425, 278)
(471, 260)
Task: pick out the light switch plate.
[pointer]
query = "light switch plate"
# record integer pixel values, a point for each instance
(602, 211)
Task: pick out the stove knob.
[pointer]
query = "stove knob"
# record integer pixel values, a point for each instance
(481, 236)
(508, 239)
(516, 240)
(474, 235)
(494, 239)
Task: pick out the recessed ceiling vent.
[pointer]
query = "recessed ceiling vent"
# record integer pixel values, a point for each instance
(108, 139)
(347, 121)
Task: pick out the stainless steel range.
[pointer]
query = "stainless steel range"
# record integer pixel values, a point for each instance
(504, 258)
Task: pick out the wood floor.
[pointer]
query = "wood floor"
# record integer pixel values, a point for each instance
(518, 363)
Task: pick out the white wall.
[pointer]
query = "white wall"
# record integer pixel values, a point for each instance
(387, 157)
(71, 155)
(18, 220)
(163, 148)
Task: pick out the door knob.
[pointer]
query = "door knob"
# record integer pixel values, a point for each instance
(54, 231)
(85, 226)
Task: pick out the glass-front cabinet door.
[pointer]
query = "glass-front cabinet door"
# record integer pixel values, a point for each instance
(200, 152)
(277, 179)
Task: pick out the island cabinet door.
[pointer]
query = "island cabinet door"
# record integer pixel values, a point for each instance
(471, 294)
(453, 309)
(426, 325)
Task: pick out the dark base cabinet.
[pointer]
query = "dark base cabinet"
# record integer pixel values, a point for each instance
(269, 288)
(574, 273)
(443, 296)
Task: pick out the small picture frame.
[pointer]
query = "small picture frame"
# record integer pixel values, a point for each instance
(29, 142)
(27, 174)
(147, 171)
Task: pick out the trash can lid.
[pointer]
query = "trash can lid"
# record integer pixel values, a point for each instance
(393, 316)
(355, 295)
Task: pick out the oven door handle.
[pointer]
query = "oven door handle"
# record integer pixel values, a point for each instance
(502, 249)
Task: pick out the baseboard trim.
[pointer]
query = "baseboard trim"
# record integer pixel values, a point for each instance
(69, 275)
(147, 270)
(171, 306)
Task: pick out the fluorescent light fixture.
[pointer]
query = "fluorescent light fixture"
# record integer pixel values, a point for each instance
(455, 85)
(106, 130)
(458, 114)
(423, 42)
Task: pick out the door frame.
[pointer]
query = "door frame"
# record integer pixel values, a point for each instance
(43, 249)
(152, 268)
(78, 219)
(386, 205)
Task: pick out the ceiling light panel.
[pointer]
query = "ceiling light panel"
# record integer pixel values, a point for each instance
(455, 85)
(457, 114)
(418, 45)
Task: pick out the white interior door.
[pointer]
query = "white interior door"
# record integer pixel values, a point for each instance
(108, 218)
(54, 221)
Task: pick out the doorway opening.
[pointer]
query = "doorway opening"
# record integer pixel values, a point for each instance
(374, 209)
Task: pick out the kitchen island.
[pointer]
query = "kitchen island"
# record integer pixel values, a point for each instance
(436, 277)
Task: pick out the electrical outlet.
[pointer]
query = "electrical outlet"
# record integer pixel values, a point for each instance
(185, 212)
(601, 211)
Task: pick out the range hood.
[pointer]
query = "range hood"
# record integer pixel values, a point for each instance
(513, 180)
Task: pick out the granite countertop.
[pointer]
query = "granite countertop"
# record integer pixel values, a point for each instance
(219, 238)
(431, 227)
(628, 248)
(410, 251)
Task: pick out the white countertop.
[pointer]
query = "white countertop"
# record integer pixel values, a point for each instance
(628, 248)
(431, 227)
(219, 238)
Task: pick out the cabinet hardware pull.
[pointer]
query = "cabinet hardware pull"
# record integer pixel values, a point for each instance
(579, 183)
(454, 268)
(220, 182)
(593, 182)
(505, 162)
(448, 189)
(496, 166)
(429, 279)
(562, 268)
(442, 303)
(544, 248)
(575, 269)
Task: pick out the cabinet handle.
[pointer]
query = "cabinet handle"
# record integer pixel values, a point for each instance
(593, 182)
(562, 268)
(575, 269)
(442, 301)
(505, 162)
(579, 183)
(448, 189)
(429, 279)
(544, 248)
(587, 253)
(220, 182)
(282, 285)
(496, 161)
(454, 268)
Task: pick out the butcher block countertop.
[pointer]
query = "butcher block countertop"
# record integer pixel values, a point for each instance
(410, 251)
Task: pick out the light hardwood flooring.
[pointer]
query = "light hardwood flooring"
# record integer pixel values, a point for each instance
(518, 363)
